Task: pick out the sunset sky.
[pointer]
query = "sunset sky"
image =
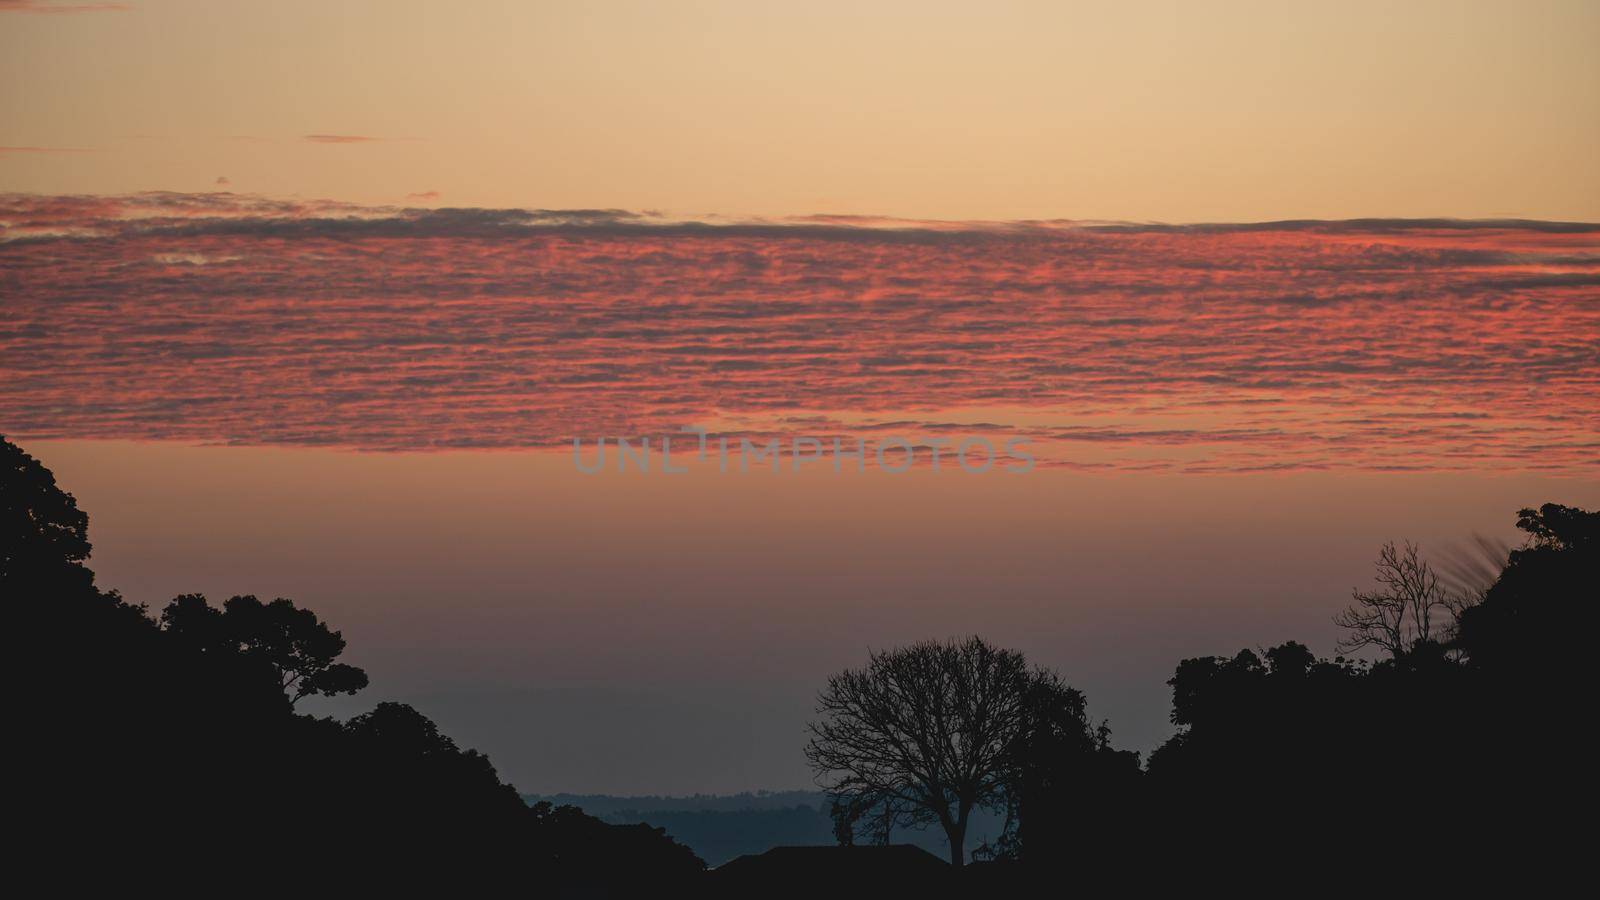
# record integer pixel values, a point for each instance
(312, 299)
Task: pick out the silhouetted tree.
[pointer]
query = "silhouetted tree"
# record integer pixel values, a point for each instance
(297, 645)
(1054, 733)
(923, 733)
(1537, 620)
(1561, 528)
(44, 537)
(1408, 608)
(1272, 759)
(1068, 791)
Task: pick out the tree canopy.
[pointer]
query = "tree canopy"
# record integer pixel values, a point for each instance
(44, 537)
(301, 651)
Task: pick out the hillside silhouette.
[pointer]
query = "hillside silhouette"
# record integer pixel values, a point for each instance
(148, 733)
(173, 734)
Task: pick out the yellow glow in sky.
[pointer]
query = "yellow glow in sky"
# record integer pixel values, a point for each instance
(995, 110)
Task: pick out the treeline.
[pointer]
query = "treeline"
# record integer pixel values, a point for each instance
(1441, 759)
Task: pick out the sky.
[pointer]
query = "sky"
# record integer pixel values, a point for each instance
(1172, 112)
(1177, 314)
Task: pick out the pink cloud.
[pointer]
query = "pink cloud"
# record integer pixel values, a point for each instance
(1378, 346)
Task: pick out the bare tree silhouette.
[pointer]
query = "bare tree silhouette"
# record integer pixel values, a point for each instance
(921, 735)
(1409, 607)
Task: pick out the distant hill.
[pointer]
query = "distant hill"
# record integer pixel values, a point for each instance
(605, 804)
(722, 827)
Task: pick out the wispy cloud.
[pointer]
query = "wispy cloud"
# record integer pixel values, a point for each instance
(341, 139)
(1380, 346)
(34, 6)
(7, 151)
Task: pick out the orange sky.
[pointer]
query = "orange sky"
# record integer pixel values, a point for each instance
(1222, 111)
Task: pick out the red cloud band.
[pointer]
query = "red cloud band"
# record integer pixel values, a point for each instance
(1376, 345)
